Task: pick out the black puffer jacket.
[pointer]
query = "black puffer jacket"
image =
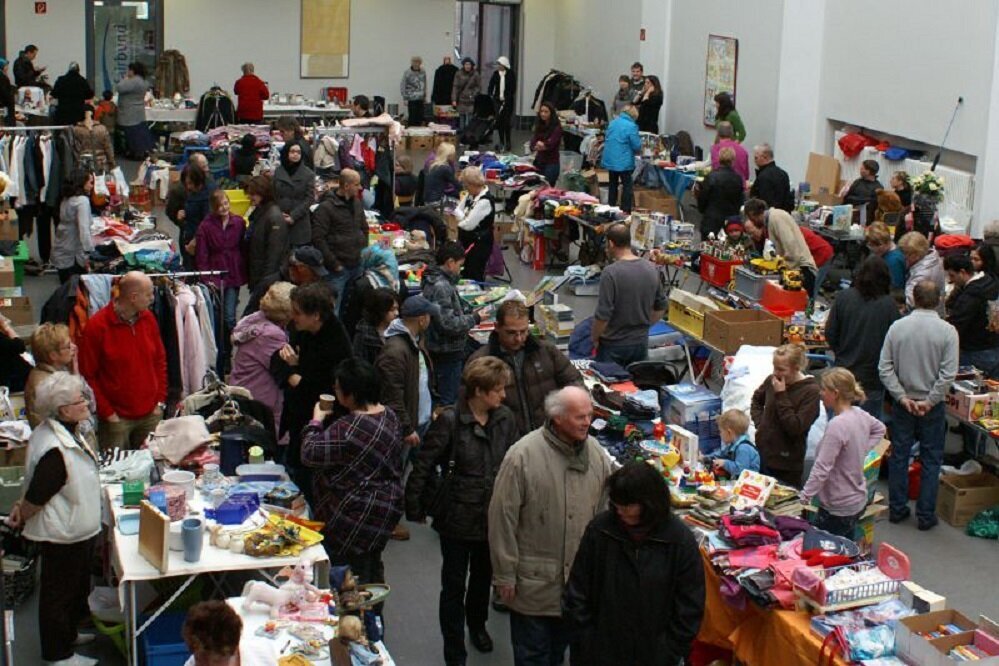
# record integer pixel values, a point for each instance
(478, 454)
(968, 312)
(635, 603)
(339, 231)
(268, 243)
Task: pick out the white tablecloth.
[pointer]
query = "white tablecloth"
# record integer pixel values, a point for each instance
(258, 615)
(158, 114)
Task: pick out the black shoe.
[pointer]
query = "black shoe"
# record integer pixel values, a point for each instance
(924, 526)
(899, 517)
(481, 640)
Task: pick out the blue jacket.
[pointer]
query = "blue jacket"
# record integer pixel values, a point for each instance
(739, 455)
(896, 267)
(620, 144)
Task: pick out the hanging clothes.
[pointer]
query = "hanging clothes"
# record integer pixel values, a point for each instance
(193, 367)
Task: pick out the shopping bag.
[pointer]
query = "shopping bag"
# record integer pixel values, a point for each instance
(120, 183)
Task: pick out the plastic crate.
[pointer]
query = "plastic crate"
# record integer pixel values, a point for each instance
(239, 202)
(717, 271)
(749, 283)
(10, 487)
(777, 298)
(161, 643)
(20, 258)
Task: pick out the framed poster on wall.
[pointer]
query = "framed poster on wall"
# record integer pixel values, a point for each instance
(720, 71)
(325, 44)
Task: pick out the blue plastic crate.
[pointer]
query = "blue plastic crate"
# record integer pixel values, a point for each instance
(161, 643)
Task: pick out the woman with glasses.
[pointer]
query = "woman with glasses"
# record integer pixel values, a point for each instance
(53, 351)
(61, 511)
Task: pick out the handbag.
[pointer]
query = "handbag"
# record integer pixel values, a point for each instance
(438, 486)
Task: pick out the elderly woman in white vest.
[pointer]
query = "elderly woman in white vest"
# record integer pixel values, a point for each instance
(61, 511)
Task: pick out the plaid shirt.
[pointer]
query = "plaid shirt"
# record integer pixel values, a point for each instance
(357, 483)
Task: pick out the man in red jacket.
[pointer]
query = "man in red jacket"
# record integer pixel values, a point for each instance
(252, 93)
(822, 252)
(123, 359)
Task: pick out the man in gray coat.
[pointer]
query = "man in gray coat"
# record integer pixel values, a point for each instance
(918, 364)
(549, 487)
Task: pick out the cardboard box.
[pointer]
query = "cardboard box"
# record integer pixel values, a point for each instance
(920, 599)
(7, 279)
(729, 330)
(657, 201)
(18, 310)
(822, 174)
(966, 400)
(911, 646)
(421, 142)
(8, 225)
(985, 638)
(961, 496)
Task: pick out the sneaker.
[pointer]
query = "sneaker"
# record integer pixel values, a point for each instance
(75, 660)
(84, 639)
(899, 517)
(400, 533)
(926, 525)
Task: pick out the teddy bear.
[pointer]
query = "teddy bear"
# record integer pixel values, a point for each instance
(888, 202)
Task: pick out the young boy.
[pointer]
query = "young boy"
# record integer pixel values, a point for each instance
(736, 236)
(737, 452)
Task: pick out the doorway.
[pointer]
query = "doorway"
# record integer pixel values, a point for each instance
(484, 31)
(120, 32)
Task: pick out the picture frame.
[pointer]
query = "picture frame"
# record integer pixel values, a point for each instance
(324, 44)
(721, 68)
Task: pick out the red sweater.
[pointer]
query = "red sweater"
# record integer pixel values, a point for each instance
(252, 92)
(820, 248)
(124, 364)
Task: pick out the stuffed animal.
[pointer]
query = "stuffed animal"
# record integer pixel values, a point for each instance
(888, 202)
(256, 591)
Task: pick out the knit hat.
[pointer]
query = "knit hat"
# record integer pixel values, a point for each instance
(734, 223)
(416, 306)
(503, 60)
(468, 60)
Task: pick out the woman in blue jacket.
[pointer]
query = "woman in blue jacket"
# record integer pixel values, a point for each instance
(620, 146)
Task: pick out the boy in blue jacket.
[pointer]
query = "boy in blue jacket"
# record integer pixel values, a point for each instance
(737, 452)
(621, 143)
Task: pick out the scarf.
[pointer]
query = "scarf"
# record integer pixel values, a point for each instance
(576, 452)
(289, 166)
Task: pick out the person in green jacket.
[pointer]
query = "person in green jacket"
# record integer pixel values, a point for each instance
(725, 106)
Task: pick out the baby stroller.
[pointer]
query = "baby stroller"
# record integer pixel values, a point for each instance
(479, 130)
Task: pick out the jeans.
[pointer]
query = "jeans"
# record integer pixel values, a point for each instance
(820, 277)
(62, 595)
(986, 360)
(341, 282)
(875, 403)
(126, 433)
(447, 371)
(623, 355)
(463, 120)
(550, 172)
(460, 603)
(930, 430)
(627, 185)
(538, 640)
(844, 526)
(415, 115)
(66, 273)
(230, 297)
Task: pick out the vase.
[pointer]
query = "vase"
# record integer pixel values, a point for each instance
(924, 213)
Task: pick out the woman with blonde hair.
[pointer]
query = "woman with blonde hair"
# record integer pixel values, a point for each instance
(837, 478)
(475, 214)
(783, 410)
(53, 350)
(439, 179)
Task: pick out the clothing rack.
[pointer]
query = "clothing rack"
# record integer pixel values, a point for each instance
(220, 323)
(322, 130)
(38, 128)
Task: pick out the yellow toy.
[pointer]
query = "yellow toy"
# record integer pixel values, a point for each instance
(767, 266)
(790, 279)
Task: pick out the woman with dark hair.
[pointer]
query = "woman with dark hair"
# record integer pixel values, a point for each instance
(635, 593)
(132, 111)
(305, 366)
(381, 306)
(357, 463)
(983, 260)
(546, 142)
(473, 436)
(725, 110)
(268, 233)
(292, 133)
(73, 241)
(187, 205)
(857, 325)
(649, 104)
(213, 633)
(295, 192)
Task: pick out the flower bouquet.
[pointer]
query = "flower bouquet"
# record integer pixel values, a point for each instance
(929, 184)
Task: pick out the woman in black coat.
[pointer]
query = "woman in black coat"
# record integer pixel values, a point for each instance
(295, 192)
(636, 590)
(502, 89)
(268, 246)
(649, 104)
(73, 92)
(721, 194)
(475, 434)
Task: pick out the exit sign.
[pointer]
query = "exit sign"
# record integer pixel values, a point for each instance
(41, 8)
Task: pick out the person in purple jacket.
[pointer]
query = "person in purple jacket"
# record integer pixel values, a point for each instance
(837, 477)
(220, 245)
(255, 339)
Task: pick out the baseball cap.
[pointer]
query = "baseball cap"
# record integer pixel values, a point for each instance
(307, 255)
(416, 306)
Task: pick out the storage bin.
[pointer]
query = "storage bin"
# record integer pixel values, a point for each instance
(239, 202)
(717, 271)
(686, 312)
(161, 643)
(776, 298)
(569, 161)
(20, 258)
(10, 487)
(749, 283)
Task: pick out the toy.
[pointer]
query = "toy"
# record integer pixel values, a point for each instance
(790, 279)
(297, 591)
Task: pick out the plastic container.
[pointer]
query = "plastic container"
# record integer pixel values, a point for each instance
(239, 202)
(261, 472)
(161, 643)
(11, 479)
(569, 161)
(749, 283)
(19, 258)
(235, 509)
(716, 271)
(776, 297)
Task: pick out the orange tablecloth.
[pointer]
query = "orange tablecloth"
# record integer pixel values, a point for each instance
(756, 636)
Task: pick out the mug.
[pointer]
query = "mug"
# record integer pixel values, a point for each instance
(176, 535)
(193, 536)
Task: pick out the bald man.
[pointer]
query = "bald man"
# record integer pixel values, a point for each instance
(550, 485)
(340, 232)
(123, 359)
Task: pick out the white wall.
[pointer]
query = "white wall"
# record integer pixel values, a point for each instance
(902, 67)
(60, 34)
(757, 26)
(539, 22)
(218, 36)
